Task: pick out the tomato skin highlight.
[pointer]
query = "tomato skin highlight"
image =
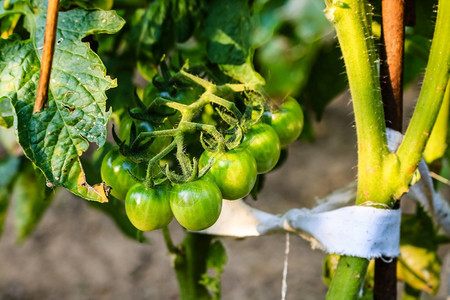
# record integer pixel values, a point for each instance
(263, 143)
(149, 208)
(114, 172)
(197, 204)
(234, 172)
(288, 121)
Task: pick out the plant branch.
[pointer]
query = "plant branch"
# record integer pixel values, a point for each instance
(47, 55)
(352, 19)
(430, 98)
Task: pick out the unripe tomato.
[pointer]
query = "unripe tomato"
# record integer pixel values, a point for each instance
(288, 121)
(149, 208)
(263, 143)
(234, 172)
(114, 171)
(197, 204)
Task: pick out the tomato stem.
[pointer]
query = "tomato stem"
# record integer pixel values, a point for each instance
(430, 98)
(155, 159)
(188, 112)
(169, 242)
(225, 103)
(191, 264)
(201, 82)
(352, 21)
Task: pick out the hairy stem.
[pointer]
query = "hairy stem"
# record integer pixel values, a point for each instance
(430, 98)
(190, 264)
(348, 278)
(351, 19)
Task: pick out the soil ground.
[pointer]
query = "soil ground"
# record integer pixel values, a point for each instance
(77, 252)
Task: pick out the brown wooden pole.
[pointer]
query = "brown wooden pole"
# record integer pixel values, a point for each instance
(391, 67)
(47, 55)
(391, 82)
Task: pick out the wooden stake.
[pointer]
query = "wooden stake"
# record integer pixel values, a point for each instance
(47, 55)
(391, 55)
(391, 82)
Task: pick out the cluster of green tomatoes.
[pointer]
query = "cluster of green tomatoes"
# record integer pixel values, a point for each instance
(195, 200)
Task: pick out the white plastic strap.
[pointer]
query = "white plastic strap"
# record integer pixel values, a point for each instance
(354, 230)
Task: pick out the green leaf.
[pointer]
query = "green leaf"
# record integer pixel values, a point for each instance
(185, 17)
(228, 28)
(419, 264)
(8, 170)
(216, 259)
(31, 198)
(75, 113)
(153, 37)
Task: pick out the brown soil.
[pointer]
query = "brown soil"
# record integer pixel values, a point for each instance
(77, 252)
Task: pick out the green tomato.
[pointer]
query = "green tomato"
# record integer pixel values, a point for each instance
(263, 143)
(148, 209)
(197, 204)
(288, 121)
(114, 171)
(234, 172)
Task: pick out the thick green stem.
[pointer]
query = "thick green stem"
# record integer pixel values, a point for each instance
(351, 19)
(430, 98)
(190, 265)
(348, 278)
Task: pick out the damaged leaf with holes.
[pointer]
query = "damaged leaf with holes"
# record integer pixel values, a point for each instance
(75, 114)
